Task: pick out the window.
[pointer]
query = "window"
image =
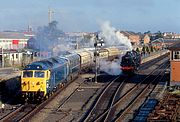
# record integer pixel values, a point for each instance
(27, 74)
(176, 54)
(39, 74)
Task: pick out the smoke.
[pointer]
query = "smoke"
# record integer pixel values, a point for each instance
(112, 68)
(113, 38)
(60, 48)
(49, 39)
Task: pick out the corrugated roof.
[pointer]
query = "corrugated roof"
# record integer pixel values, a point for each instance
(13, 35)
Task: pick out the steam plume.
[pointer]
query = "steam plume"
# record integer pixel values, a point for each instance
(113, 38)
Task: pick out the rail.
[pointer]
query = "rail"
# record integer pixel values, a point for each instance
(143, 92)
(101, 101)
(108, 113)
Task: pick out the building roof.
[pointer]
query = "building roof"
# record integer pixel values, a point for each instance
(13, 35)
(171, 40)
(175, 47)
(128, 33)
(161, 40)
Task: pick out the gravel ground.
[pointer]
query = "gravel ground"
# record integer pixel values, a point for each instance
(80, 96)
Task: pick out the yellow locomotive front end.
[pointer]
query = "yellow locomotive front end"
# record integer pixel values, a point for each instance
(34, 84)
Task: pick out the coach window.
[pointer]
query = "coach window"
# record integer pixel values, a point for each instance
(27, 74)
(39, 74)
(176, 55)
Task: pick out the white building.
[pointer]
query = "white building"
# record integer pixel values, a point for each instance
(10, 57)
(13, 40)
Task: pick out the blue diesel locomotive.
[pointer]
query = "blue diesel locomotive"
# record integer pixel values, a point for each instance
(40, 78)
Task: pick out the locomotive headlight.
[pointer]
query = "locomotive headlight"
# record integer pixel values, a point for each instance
(47, 86)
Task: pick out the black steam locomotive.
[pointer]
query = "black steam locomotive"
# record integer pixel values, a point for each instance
(130, 62)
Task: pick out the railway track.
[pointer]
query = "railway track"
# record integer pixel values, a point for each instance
(27, 111)
(19, 113)
(144, 92)
(104, 99)
(123, 103)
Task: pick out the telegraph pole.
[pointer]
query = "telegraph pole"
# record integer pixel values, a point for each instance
(50, 12)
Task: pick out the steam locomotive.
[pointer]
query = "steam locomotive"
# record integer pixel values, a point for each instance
(130, 62)
(41, 78)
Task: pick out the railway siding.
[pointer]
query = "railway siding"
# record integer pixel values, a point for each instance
(148, 87)
(71, 103)
(73, 113)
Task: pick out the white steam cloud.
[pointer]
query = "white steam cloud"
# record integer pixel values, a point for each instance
(112, 68)
(60, 48)
(113, 38)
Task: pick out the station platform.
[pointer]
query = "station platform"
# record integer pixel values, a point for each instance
(8, 73)
(153, 55)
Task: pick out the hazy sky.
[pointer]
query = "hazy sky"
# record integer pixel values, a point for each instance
(85, 15)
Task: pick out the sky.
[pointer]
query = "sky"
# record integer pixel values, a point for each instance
(87, 15)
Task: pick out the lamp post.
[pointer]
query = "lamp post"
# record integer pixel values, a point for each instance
(98, 43)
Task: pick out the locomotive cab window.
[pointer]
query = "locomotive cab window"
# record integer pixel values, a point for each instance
(176, 55)
(27, 74)
(39, 74)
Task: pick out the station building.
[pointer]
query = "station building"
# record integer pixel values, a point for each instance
(13, 40)
(10, 57)
(175, 64)
(11, 46)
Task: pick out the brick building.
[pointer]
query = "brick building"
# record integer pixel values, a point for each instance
(175, 64)
(135, 38)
